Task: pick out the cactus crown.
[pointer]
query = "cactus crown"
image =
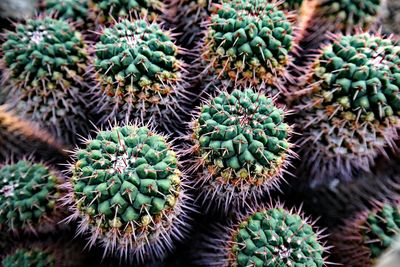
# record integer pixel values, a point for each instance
(29, 258)
(77, 10)
(351, 13)
(125, 186)
(357, 79)
(381, 228)
(248, 42)
(28, 195)
(107, 11)
(138, 69)
(275, 237)
(242, 137)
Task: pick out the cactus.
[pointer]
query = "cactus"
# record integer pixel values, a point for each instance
(352, 107)
(272, 236)
(127, 191)
(28, 196)
(292, 4)
(362, 239)
(248, 43)
(106, 11)
(75, 10)
(34, 257)
(44, 62)
(18, 137)
(240, 146)
(139, 73)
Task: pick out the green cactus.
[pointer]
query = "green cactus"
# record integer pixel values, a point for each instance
(241, 143)
(106, 11)
(75, 10)
(365, 237)
(353, 105)
(127, 191)
(139, 73)
(45, 61)
(28, 196)
(33, 257)
(248, 43)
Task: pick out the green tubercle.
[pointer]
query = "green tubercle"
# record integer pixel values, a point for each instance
(29, 258)
(75, 10)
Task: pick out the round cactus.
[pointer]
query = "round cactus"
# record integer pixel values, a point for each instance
(45, 61)
(352, 109)
(241, 146)
(362, 239)
(28, 197)
(248, 43)
(34, 257)
(127, 191)
(75, 10)
(139, 73)
(270, 236)
(106, 11)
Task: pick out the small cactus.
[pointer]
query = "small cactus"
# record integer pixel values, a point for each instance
(351, 111)
(271, 236)
(45, 61)
(248, 43)
(74, 10)
(140, 75)
(127, 192)
(240, 146)
(28, 197)
(362, 239)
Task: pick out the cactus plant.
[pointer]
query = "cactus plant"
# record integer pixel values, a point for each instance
(270, 236)
(29, 258)
(45, 61)
(75, 10)
(240, 146)
(28, 197)
(351, 107)
(128, 193)
(139, 73)
(362, 239)
(18, 137)
(248, 43)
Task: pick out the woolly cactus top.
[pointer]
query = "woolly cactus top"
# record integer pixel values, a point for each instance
(29, 258)
(381, 228)
(28, 195)
(138, 67)
(242, 136)
(248, 42)
(76, 10)
(126, 184)
(357, 78)
(275, 237)
(108, 11)
(350, 13)
(44, 54)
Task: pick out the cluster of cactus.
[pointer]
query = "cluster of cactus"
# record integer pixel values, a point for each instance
(350, 112)
(241, 146)
(140, 75)
(248, 43)
(127, 191)
(28, 197)
(272, 236)
(44, 62)
(362, 239)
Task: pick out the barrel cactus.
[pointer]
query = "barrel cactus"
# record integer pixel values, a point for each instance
(351, 109)
(362, 239)
(248, 43)
(272, 236)
(19, 136)
(139, 74)
(74, 10)
(45, 61)
(128, 193)
(240, 147)
(28, 197)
